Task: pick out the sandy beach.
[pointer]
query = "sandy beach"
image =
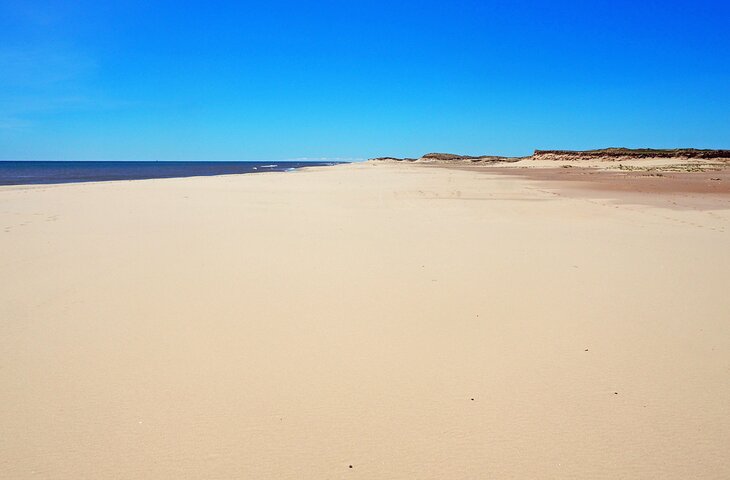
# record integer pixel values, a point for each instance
(374, 320)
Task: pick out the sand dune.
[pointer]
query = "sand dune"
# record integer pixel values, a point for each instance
(405, 320)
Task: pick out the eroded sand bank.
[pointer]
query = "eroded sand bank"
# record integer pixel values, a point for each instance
(411, 322)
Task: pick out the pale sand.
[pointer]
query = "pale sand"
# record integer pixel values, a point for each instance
(289, 325)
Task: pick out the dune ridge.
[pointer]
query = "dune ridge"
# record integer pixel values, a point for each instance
(604, 154)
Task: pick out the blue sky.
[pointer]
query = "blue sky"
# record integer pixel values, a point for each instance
(179, 80)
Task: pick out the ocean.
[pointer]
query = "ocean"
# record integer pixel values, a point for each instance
(33, 173)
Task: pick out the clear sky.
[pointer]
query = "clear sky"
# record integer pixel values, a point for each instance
(230, 80)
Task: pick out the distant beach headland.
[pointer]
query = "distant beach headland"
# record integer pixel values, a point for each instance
(614, 154)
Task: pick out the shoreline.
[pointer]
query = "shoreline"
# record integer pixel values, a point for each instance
(52, 173)
(33, 186)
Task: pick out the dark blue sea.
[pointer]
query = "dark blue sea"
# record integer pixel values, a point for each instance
(30, 173)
